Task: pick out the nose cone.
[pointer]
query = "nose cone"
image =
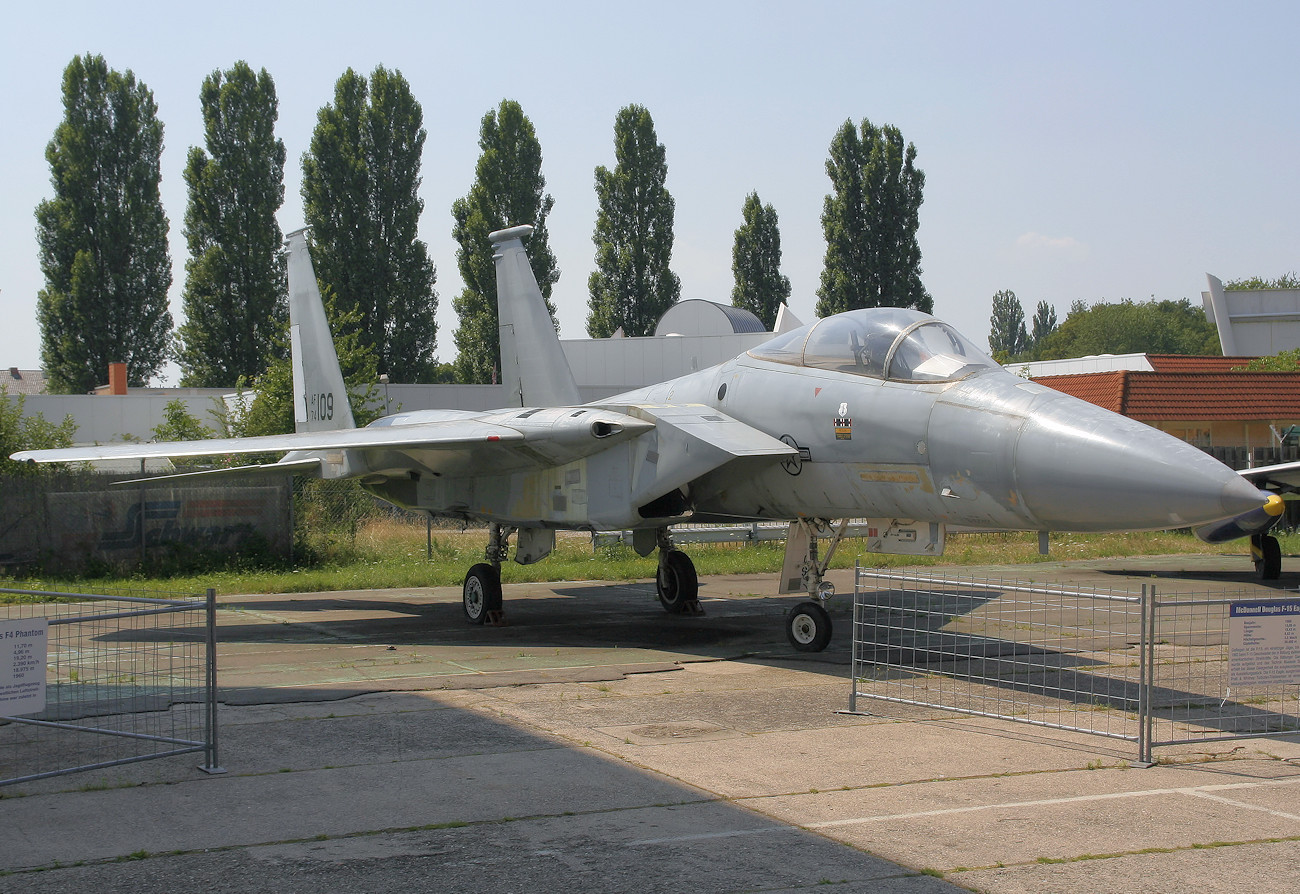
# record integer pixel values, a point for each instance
(1082, 468)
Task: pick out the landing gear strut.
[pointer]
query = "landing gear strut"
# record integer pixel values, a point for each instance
(808, 625)
(1267, 554)
(676, 582)
(481, 594)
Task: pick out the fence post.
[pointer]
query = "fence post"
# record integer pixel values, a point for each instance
(210, 762)
(1144, 745)
(141, 515)
(853, 660)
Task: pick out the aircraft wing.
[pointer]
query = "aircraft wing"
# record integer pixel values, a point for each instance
(474, 446)
(1281, 478)
(454, 433)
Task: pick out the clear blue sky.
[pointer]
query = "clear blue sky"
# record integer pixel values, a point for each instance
(1092, 151)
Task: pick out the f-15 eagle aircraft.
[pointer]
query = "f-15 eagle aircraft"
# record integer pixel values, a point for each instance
(888, 415)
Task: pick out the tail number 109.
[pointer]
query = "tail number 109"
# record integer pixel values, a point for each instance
(320, 407)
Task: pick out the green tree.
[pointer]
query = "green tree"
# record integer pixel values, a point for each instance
(870, 221)
(103, 237)
(179, 424)
(632, 285)
(1285, 281)
(1131, 327)
(756, 262)
(507, 191)
(234, 296)
(1008, 336)
(1044, 323)
(19, 432)
(1283, 361)
(360, 182)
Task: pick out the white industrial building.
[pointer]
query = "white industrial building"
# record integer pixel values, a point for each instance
(1253, 322)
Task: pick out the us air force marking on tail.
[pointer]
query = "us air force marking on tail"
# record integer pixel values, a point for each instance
(887, 415)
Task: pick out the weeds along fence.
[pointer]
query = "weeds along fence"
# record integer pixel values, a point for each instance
(1148, 667)
(89, 681)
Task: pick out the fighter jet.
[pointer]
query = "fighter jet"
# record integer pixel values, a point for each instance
(887, 415)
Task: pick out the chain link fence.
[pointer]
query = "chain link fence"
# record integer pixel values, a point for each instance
(84, 523)
(78, 523)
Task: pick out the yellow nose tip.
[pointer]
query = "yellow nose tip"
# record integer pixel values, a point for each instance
(1274, 505)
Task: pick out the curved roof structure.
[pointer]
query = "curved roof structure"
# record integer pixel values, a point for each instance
(695, 316)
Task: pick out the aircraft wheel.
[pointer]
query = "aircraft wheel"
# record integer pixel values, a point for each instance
(676, 583)
(482, 592)
(808, 627)
(1269, 562)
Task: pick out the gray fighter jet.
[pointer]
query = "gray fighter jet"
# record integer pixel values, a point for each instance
(887, 415)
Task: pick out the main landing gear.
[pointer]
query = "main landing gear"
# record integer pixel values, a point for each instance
(481, 594)
(1267, 555)
(676, 582)
(808, 625)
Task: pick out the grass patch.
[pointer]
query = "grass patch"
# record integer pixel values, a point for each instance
(390, 554)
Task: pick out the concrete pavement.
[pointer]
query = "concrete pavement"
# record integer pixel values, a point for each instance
(374, 740)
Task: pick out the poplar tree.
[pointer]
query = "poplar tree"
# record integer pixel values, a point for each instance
(507, 191)
(756, 263)
(360, 185)
(1044, 323)
(103, 236)
(1007, 333)
(870, 221)
(632, 285)
(234, 298)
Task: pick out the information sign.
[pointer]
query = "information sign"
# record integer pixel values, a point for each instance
(1264, 643)
(23, 652)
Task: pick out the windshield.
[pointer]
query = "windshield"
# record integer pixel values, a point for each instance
(884, 343)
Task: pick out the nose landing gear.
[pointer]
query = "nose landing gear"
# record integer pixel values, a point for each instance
(808, 625)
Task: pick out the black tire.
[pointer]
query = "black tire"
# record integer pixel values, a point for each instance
(1269, 565)
(808, 627)
(481, 593)
(676, 583)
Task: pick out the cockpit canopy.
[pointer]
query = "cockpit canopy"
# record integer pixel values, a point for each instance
(883, 342)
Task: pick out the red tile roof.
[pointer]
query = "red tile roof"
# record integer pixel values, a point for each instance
(1198, 396)
(1184, 363)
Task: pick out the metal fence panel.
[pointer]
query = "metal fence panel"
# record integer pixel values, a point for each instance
(1191, 699)
(1003, 649)
(128, 678)
(1130, 664)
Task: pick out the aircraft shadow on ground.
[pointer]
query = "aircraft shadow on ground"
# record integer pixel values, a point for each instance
(626, 616)
(1242, 578)
(599, 616)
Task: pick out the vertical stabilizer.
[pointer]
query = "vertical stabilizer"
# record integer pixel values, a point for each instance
(320, 397)
(534, 371)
